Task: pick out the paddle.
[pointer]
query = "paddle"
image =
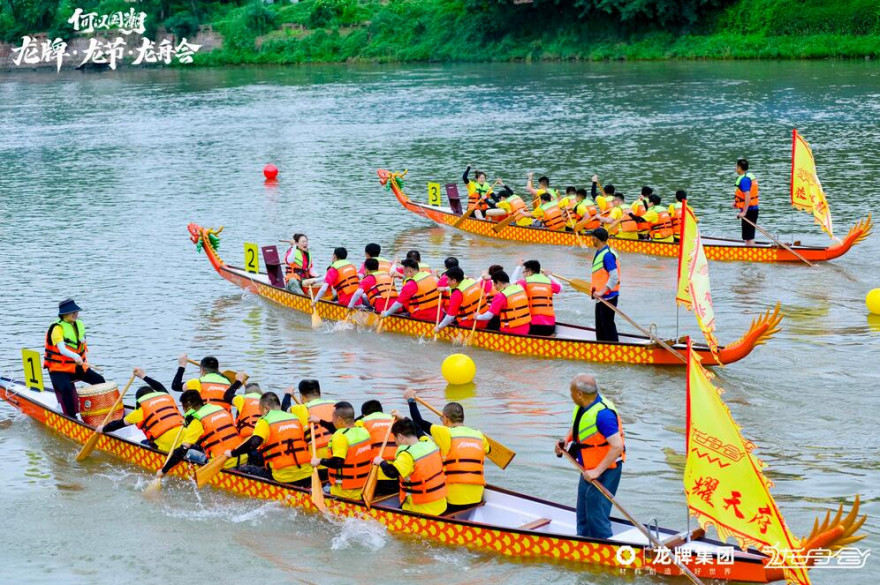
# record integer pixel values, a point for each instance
(385, 305)
(317, 487)
(93, 440)
(464, 216)
(156, 485)
(498, 453)
(228, 374)
(786, 246)
(505, 222)
(439, 310)
(467, 341)
(206, 472)
(587, 288)
(637, 525)
(316, 318)
(577, 234)
(373, 478)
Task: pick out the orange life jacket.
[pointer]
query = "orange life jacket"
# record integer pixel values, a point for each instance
(517, 205)
(628, 224)
(427, 296)
(516, 310)
(213, 389)
(378, 424)
(552, 218)
(676, 219)
(286, 444)
(477, 195)
(300, 268)
(470, 302)
(347, 279)
(593, 446)
(58, 362)
(219, 433)
(248, 415)
(160, 414)
(599, 275)
(539, 290)
(427, 482)
(739, 197)
(384, 264)
(380, 288)
(358, 460)
(323, 409)
(466, 457)
(662, 228)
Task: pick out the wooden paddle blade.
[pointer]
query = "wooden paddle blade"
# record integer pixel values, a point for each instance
(153, 488)
(318, 492)
(231, 374)
(581, 286)
(463, 217)
(499, 454)
(504, 223)
(370, 487)
(88, 447)
(209, 470)
(316, 320)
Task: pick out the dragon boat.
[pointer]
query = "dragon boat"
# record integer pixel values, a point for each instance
(572, 342)
(507, 522)
(716, 248)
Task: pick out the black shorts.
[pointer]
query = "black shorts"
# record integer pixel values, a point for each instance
(748, 231)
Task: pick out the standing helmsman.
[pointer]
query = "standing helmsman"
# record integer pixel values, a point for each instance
(596, 441)
(745, 200)
(65, 356)
(605, 280)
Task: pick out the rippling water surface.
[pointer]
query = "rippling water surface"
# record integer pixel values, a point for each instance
(99, 175)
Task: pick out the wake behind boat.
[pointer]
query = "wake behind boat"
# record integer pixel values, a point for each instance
(716, 248)
(572, 342)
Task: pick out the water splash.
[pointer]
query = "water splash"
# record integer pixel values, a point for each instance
(227, 511)
(356, 532)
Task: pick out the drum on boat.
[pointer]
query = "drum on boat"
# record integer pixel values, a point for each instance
(96, 401)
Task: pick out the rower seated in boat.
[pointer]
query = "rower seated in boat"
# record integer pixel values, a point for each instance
(510, 304)
(373, 250)
(209, 428)
(378, 423)
(298, 264)
(419, 294)
(415, 256)
(351, 454)
(595, 439)
(312, 404)
(479, 192)
(466, 300)
(418, 465)
(377, 286)
(155, 414)
(548, 214)
(342, 276)
(540, 286)
(658, 220)
(512, 204)
(620, 222)
(281, 438)
(463, 449)
(247, 408)
(213, 386)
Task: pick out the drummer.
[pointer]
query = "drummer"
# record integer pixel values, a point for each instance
(156, 415)
(65, 356)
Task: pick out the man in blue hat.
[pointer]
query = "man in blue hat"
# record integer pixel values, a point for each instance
(65, 356)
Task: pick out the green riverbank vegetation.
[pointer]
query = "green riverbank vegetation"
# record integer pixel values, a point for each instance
(326, 31)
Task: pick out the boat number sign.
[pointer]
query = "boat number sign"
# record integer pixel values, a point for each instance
(251, 260)
(434, 194)
(33, 370)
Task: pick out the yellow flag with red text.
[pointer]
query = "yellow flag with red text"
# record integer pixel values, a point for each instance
(806, 190)
(723, 481)
(693, 277)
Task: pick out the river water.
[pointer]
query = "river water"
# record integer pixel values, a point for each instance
(100, 174)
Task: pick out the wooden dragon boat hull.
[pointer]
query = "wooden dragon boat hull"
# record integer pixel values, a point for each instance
(571, 341)
(716, 248)
(508, 523)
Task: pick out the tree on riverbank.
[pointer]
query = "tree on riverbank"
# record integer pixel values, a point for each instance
(490, 30)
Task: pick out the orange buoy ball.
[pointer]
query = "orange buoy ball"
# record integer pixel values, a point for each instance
(270, 171)
(458, 369)
(873, 301)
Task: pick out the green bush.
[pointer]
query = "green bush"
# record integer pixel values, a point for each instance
(182, 24)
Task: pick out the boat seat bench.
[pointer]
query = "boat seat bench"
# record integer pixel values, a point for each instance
(535, 524)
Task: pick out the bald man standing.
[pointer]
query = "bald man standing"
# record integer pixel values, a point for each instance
(596, 441)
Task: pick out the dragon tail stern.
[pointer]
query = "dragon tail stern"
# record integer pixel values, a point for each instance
(762, 329)
(856, 235)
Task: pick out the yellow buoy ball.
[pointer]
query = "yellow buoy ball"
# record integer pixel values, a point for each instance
(873, 301)
(459, 369)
